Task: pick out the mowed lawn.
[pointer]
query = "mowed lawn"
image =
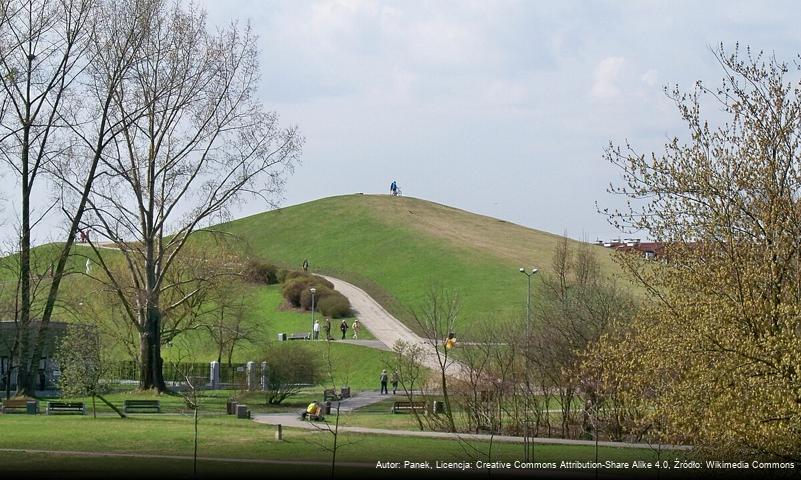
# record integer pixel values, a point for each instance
(398, 248)
(226, 437)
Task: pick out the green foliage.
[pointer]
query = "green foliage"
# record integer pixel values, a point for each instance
(335, 305)
(717, 353)
(79, 356)
(321, 293)
(297, 285)
(291, 364)
(260, 272)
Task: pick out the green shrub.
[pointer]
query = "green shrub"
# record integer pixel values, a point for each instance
(321, 293)
(257, 271)
(335, 305)
(296, 288)
(291, 366)
(292, 289)
(282, 273)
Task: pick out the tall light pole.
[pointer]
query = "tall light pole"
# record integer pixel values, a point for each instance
(313, 291)
(528, 347)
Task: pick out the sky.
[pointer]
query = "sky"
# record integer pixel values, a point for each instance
(502, 108)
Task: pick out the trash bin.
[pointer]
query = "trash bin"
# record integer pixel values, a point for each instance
(242, 411)
(327, 408)
(439, 407)
(230, 406)
(282, 337)
(32, 407)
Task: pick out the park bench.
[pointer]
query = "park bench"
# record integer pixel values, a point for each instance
(141, 405)
(331, 394)
(17, 404)
(405, 407)
(66, 407)
(299, 336)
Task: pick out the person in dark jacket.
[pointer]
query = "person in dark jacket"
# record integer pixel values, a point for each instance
(383, 379)
(344, 327)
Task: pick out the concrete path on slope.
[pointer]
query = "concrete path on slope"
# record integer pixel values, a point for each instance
(388, 329)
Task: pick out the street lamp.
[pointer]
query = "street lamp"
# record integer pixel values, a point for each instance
(313, 291)
(528, 303)
(528, 347)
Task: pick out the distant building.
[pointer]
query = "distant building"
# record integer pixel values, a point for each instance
(649, 250)
(48, 369)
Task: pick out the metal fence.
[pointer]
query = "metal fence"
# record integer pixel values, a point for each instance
(234, 375)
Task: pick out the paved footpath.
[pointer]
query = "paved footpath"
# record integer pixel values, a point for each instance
(293, 420)
(386, 328)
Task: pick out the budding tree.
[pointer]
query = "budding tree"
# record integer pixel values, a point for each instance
(60, 65)
(202, 143)
(717, 350)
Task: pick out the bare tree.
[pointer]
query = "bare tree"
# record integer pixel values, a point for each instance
(436, 318)
(58, 86)
(407, 360)
(203, 143)
(226, 322)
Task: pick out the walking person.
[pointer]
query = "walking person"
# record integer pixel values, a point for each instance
(394, 381)
(327, 328)
(344, 327)
(383, 379)
(316, 329)
(305, 264)
(357, 326)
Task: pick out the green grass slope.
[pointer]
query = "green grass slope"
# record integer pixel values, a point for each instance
(396, 248)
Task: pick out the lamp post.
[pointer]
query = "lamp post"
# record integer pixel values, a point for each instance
(313, 291)
(528, 347)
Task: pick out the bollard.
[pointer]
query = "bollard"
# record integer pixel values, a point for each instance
(279, 434)
(214, 374)
(251, 375)
(264, 376)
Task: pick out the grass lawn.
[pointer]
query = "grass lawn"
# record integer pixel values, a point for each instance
(225, 437)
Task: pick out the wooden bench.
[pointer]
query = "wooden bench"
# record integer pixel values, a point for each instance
(299, 336)
(66, 407)
(150, 405)
(405, 407)
(17, 404)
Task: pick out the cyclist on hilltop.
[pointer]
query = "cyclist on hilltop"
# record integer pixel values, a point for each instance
(393, 188)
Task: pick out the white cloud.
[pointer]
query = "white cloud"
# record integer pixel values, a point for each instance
(606, 76)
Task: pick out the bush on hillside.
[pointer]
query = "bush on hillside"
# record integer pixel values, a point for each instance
(321, 293)
(260, 272)
(335, 305)
(294, 289)
(282, 273)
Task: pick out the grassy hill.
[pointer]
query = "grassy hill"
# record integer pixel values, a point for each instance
(396, 248)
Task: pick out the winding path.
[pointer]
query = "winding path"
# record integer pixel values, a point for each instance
(387, 329)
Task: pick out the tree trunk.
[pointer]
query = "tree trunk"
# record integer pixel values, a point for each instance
(25, 379)
(151, 374)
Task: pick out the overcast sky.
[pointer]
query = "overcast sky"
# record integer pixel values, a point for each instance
(501, 108)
